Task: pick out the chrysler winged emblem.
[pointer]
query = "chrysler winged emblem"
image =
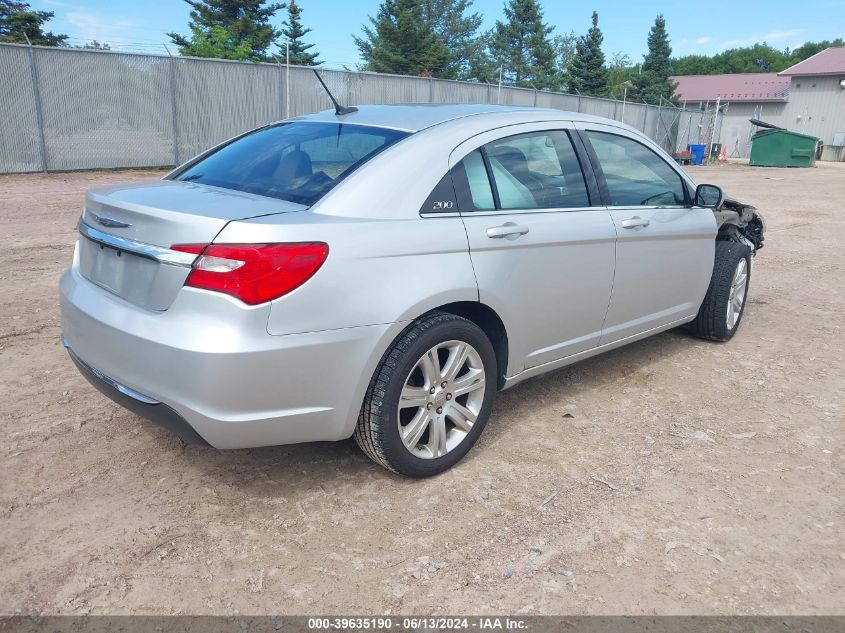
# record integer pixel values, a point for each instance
(104, 221)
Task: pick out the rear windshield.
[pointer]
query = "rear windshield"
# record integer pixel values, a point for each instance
(296, 161)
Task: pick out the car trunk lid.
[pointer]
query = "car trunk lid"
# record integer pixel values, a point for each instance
(127, 231)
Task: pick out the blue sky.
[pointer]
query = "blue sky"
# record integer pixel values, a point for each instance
(695, 27)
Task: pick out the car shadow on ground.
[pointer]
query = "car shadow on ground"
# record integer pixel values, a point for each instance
(567, 384)
(322, 465)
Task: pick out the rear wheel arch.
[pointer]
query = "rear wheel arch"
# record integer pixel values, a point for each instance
(426, 443)
(491, 323)
(478, 313)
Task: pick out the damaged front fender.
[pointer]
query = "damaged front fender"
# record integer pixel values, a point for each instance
(741, 222)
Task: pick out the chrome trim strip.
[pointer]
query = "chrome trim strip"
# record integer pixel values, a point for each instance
(142, 249)
(485, 212)
(439, 214)
(135, 395)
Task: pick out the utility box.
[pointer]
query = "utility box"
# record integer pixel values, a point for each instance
(782, 148)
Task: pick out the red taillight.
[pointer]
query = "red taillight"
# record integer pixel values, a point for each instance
(254, 273)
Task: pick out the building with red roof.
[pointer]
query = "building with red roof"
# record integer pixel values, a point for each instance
(735, 87)
(830, 61)
(808, 97)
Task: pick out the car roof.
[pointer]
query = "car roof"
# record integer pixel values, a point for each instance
(413, 117)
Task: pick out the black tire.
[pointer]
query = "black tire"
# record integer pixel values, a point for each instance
(377, 432)
(711, 323)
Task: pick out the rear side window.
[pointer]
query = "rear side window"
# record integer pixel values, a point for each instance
(537, 170)
(297, 161)
(636, 175)
(478, 182)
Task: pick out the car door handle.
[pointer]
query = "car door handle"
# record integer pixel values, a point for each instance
(635, 223)
(507, 229)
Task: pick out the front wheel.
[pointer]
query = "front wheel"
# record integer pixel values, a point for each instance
(430, 396)
(721, 311)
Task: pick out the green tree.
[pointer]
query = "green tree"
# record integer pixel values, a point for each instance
(480, 66)
(621, 75)
(693, 65)
(18, 22)
(565, 48)
(458, 30)
(811, 48)
(218, 42)
(401, 39)
(97, 46)
(587, 73)
(241, 20)
(522, 45)
(293, 33)
(757, 58)
(653, 83)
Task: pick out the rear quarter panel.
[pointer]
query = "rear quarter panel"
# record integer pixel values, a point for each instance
(379, 270)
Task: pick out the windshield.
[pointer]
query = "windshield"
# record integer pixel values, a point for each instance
(298, 161)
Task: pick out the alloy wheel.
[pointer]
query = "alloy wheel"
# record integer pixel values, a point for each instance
(441, 399)
(736, 298)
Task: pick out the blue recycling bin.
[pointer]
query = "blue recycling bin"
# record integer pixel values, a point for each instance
(697, 152)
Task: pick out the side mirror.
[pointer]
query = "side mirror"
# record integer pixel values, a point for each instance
(709, 196)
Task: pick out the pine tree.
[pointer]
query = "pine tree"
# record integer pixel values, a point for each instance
(479, 64)
(653, 83)
(293, 32)
(218, 43)
(458, 30)
(245, 20)
(521, 44)
(401, 39)
(587, 73)
(18, 22)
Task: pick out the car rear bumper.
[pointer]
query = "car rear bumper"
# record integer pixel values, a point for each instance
(136, 402)
(208, 369)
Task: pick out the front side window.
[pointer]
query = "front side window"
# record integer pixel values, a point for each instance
(537, 170)
(636, 175)
(298, 161)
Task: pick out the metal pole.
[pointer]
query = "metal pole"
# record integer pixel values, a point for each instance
(718, 131)
(39, 115)
(281, 88)
(713, 129)
(431, 89)
(287, 80)
(173, 116)
(624, 97)
(349, 96)
(660, 122)
(499, 95)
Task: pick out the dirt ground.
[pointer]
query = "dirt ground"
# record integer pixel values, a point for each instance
(673, 476)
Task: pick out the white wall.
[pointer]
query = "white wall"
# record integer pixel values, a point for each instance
(816, 107)
(736, 129)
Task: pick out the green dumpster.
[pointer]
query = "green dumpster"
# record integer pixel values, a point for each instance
(782, 148)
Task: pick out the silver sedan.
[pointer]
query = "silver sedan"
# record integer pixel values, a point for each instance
(382, 273)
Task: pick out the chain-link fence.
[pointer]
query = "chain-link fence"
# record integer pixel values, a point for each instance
(68, 109)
